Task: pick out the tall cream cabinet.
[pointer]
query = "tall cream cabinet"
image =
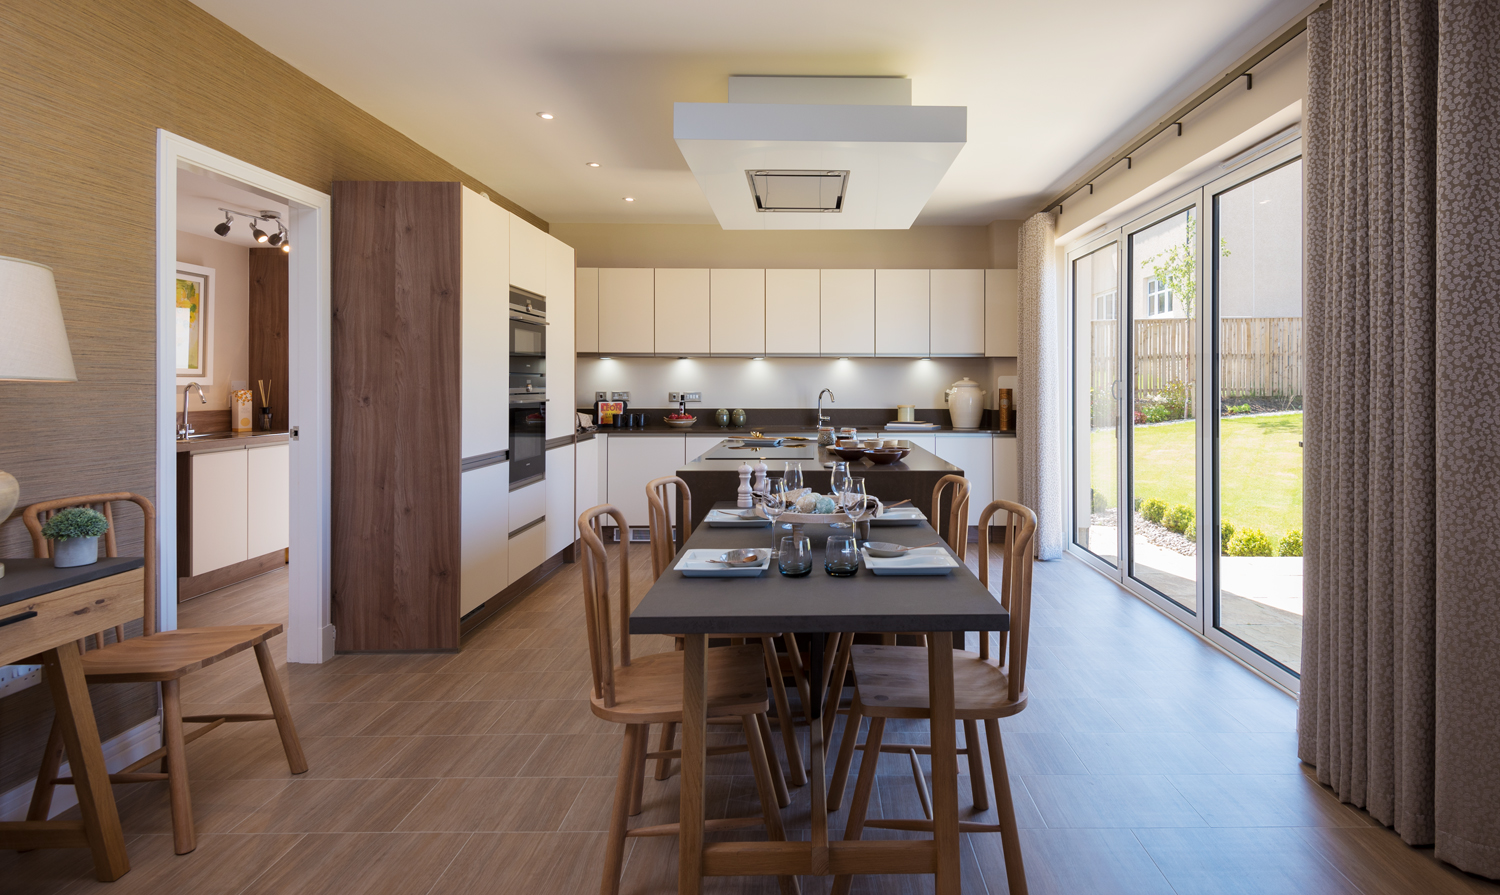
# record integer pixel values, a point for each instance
(627, 317)
(561, 353)
(901, 313)
(793, 312)
(528, 256)
(484, 301)
(847, 312)
(957, 312)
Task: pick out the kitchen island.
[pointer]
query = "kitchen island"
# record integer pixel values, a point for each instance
(714, 476)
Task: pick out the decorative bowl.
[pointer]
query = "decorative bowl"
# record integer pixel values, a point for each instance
(847, 453)
(679, 424)
(885, 456)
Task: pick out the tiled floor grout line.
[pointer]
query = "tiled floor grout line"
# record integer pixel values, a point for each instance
(267, 869)
(469, 837)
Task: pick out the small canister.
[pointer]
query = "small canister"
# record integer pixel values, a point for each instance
(737, 417)
(825, 435)
(721, 416)
(906, 413)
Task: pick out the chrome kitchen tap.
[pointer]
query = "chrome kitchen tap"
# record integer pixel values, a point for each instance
(185, 429)
(832, 400)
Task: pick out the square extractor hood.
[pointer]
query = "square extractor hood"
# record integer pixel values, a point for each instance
(818, 153)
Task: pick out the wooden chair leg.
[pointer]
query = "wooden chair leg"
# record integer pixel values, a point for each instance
(835, 687)
(766, 790)
(799, 675)
(41, 794)
(1010, 838)
(854, 826)
(638, 779)
(796, 772)
(778, 782)
(975, 754)
(668, 741)
(184, 838)
(295, 759)
(846, 758)
(614, 853)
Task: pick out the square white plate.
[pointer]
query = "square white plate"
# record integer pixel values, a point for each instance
(925, 561)
(907, 515)
(730, 519)
(695, 564)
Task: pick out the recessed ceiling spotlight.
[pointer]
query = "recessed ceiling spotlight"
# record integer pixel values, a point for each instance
(629, 198)
(544, 115)
(592, 164)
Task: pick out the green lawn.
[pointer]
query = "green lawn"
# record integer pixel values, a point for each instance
(1260, 461)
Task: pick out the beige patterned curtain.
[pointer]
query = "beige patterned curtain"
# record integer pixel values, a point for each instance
(1400, 705)
(1037, 372)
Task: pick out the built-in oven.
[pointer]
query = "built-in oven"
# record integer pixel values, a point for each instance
(528, 388)
(528, 325)
(528, 438)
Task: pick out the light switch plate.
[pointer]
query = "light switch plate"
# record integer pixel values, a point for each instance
(676, 397)
(601, 396)
(619, 396)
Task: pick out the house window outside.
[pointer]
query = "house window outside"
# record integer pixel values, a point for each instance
(1104, 305)
(1158, 298)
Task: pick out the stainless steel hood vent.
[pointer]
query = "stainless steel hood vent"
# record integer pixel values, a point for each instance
(807, 192)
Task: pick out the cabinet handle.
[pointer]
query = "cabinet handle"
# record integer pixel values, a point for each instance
(10, 620)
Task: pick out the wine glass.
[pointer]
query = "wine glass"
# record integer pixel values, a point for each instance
(856, 501)
(839, 479)
(792, 476)
(774, 505)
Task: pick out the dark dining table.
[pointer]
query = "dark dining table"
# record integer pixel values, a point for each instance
(818, 605)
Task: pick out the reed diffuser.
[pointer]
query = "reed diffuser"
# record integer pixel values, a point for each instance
(265, 403)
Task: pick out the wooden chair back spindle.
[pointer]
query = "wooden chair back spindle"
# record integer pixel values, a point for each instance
(664, 542)
(596, 598)
(1015, 587)
(958, 513)
(36, 515)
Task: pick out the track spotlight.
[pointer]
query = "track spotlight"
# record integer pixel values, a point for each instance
(223, 229)
(276, 239)
(259, 234)
(286, 247)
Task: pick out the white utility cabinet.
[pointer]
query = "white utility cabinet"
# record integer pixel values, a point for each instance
(562, 522)
(221, 510)
(793, 299)
(847, 313)
(901, 313)
(269, 499)
(484, 334)
(484, 542)
(586, 493)
(681, 311)
(635, 460)
(737, 311)
(1007, 482)
(627, 298)
(528, 255)
(957, 312)
(1002, 314)
(586, 310)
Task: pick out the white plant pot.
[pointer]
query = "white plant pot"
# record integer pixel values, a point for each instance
(75, 552)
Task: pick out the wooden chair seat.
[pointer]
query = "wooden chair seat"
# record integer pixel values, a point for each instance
(649, 689)
(171, 654)
(893, 684)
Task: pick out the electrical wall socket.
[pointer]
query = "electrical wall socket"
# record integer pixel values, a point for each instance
(619, 396)
(601, 396)
(676, 397)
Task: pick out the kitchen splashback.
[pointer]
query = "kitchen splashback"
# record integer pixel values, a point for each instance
(784, 381)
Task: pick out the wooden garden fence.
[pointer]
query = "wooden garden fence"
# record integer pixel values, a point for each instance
(1257, 355)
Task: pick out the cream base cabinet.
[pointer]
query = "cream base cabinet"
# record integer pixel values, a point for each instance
(562, 522)
(627, 316)
(586, 493)
(561, 351)
(586, 310)
(697, 445)
(957, 310)
(681, 311)
(484, 523)
(847, 312)
(635, 460)
(1007, 470)
(793, 299)
(1002, 314)
(268, 503)
(527, 513)
(901, 313)
(972, 453)
(221, 486)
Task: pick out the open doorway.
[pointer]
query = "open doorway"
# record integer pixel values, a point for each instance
(243, 387)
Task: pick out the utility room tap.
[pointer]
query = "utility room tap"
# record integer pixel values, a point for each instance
(831, 399)
(185, 429)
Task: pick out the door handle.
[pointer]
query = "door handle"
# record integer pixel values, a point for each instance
(20, 617)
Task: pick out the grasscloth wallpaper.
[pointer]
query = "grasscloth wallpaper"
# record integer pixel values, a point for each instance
(83, 88)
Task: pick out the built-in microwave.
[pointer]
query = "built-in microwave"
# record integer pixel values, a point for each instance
(528, 325)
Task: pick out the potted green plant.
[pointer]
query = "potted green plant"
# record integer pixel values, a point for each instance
(74, 534)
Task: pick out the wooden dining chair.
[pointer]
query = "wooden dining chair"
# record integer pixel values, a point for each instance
(666, 541)
(891, 682)
(160, 657)
(957, 534)
(639, 692)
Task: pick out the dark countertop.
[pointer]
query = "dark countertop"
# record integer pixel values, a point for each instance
(813, 457)
(796, 421)
(818, 603)
(231, 441)
(27, 578)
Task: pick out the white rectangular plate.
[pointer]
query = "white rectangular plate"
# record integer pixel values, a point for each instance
(728, 519)
(926, 561)
(899, 516)
(695, 564)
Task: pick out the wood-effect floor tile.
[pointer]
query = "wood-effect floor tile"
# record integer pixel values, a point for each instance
(1242, 862)
(367, 863)
(337, 806)
(494, 804)
(460, 756)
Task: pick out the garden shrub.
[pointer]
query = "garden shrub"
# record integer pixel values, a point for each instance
(1153, 510)
(1252, 542)
(1098, 502)
(1192, 531)
(1178, 519)
(1226, 534)
(1291, 543)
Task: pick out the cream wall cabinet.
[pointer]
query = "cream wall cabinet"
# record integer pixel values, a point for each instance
(847, 313)
(635, 460)
(627, 298)
(269, 499)
(528, 255)
(958, 321)
(974, 455)
(1002, 318)
(793, 299)
(561, 353)
(221, 484)
(901, 313)
(681, 310)
(485, 534)
(737, 311)
(562, 522)
(484, 333)
(586, 310)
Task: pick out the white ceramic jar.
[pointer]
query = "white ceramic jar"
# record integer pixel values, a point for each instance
(965, 403)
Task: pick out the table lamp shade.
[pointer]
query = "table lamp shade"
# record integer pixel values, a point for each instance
(33, 341)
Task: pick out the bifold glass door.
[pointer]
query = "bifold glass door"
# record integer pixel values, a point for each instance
(1186, 424)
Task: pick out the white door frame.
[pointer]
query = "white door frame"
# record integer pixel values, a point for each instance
(309, 628)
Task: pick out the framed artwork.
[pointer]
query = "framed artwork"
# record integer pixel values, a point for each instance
(195, 335)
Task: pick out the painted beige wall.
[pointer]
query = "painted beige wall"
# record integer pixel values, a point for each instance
(708, 245)
(229, 316)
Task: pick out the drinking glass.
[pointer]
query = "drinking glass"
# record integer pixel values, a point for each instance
(856, 500)
(774, 505)
(794, 556)
(792, 476)
(839, 479)
(841, 556)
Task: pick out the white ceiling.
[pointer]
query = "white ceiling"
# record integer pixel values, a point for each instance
(1051, 87)
(199, 198)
